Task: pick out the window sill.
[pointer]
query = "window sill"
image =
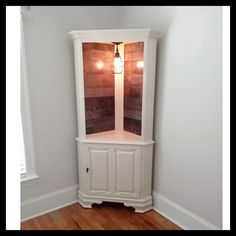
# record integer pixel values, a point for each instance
(29, 180)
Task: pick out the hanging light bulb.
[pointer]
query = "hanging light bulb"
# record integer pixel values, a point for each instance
(99, 65)
(139, 64)
(118, 64)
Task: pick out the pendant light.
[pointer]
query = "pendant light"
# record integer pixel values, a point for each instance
(118, 64)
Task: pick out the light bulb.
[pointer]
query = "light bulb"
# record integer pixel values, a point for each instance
(99, 65)
(139, 64)
(118, 65)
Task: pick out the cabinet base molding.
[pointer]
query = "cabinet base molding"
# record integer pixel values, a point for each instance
(140, 205)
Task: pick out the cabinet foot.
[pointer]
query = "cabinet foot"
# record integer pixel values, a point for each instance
(142, 209)
(142, 206)
(87, 203)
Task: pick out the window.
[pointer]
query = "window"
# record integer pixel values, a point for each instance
(27, 163)
(22, 153)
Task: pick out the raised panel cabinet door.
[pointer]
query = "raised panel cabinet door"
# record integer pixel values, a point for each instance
(98, 170)
(127, 172)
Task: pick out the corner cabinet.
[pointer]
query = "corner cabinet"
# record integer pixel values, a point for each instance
(115, 81)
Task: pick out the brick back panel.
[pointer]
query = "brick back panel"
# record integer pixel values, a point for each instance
(133, 82)
(99, 87)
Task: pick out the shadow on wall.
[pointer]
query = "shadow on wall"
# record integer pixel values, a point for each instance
(161, 59)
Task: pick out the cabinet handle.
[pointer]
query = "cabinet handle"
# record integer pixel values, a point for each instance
(87, 169)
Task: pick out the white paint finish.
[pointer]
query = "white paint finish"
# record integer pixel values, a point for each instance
(26, 116)
(49, 202)
(79, 72)
(114, 135)
(83, 163)
(129, 172)
(153, 17)
(180, 216)
(99, 169)
(148, 89)
(116, 172)
(141, 205)
(147, 169)
(97, 158)
(119, 94)
(114, 35)
(50, 58)
(125, 165)
(29, 180)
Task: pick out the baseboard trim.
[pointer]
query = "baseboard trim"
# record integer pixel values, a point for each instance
(179, 215)
(49, 202)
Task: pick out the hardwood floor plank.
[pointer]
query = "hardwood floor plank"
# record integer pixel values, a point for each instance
(158, 218)
(112, 225)
(91, 216)
(25, 226)
(71, 224)
(32, 225)
(118, 216)
(82, 222)
(58, 219)
(107, 216)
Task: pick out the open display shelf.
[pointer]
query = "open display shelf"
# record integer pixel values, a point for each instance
(113, 136)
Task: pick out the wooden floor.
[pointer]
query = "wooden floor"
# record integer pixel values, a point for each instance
(108, 216)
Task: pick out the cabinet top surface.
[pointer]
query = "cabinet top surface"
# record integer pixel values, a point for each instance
(113, 136)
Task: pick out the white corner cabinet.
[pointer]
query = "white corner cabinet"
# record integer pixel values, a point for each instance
(115, 102)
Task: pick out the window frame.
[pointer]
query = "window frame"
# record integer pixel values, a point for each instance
(30, 177)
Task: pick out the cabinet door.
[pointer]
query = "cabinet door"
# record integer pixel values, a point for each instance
(127, 171)
(98, 170)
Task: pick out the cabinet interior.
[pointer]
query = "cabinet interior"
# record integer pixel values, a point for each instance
(113, 102)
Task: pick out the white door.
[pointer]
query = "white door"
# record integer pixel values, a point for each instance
(127, 171)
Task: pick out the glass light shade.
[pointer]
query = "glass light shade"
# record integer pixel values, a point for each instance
(118, 65)
(139, 64)
(99, 65)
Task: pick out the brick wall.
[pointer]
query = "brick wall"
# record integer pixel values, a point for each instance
(99, 87)
(133, 81)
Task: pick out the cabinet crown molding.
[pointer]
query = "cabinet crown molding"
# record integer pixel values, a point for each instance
(114, 34)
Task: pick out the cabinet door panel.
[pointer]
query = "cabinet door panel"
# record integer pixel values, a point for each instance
(99, 164)
(125, 171)
(128, 172)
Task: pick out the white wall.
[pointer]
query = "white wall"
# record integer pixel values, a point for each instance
(49, 51)
(157, 18)
(187, 158)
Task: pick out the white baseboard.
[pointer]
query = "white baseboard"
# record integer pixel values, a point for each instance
(49, 202)
(179, 215)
